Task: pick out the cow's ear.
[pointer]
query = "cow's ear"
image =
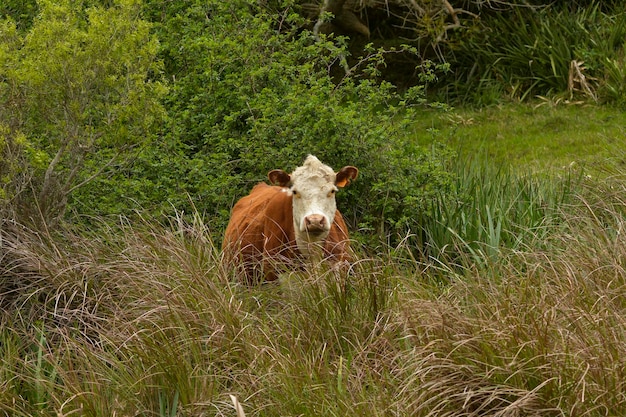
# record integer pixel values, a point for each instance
(345, 175)
(279, 177)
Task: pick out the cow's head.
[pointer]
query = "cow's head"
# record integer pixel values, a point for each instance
(313, 187)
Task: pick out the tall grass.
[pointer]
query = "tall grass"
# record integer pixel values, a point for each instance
(141, 319)
(550, 51)
(494, 208)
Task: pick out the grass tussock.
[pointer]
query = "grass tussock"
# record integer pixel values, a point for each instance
(141, 319)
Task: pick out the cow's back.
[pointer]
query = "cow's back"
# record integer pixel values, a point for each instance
(260, 224)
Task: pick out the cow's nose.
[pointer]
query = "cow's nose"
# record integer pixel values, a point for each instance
(315, 223)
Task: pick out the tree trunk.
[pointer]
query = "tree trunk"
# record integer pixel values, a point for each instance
(342, 18)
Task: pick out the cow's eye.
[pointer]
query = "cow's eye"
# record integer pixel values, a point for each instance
(295, 193)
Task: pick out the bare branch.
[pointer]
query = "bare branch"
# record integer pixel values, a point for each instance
(320, 19)
(47, 179)
(453, 13)
(95, 174)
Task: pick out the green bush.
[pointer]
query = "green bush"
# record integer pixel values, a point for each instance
(77, 96)
(252, 91)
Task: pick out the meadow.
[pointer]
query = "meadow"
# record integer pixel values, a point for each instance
(513, 305)
(541, 136)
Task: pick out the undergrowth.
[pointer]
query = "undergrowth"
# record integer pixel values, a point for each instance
(142, 319)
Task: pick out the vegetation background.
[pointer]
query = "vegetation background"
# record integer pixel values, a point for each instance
(488, 217)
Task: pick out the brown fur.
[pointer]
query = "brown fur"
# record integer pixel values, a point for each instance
(260, 235)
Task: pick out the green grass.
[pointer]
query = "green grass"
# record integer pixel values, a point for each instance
(533, 137)
(520, 310)
(491, 208)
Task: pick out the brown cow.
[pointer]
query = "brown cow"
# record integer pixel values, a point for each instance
(297, 220)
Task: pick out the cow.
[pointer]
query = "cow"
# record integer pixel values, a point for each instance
(289, 223)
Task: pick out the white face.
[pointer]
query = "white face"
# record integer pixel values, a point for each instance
(313, 189)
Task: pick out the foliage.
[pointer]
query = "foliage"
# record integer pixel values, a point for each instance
(22, 11)
(518, 309)
(16, 153)
(76, 88)
(613, 87)
(496, 49)
(251, 91)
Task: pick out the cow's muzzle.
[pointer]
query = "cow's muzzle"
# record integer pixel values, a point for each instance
(316, 224)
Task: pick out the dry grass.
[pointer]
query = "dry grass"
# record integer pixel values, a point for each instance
(142, 320)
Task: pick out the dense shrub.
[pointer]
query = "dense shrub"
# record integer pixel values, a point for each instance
(76, 97)
(252, 91)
